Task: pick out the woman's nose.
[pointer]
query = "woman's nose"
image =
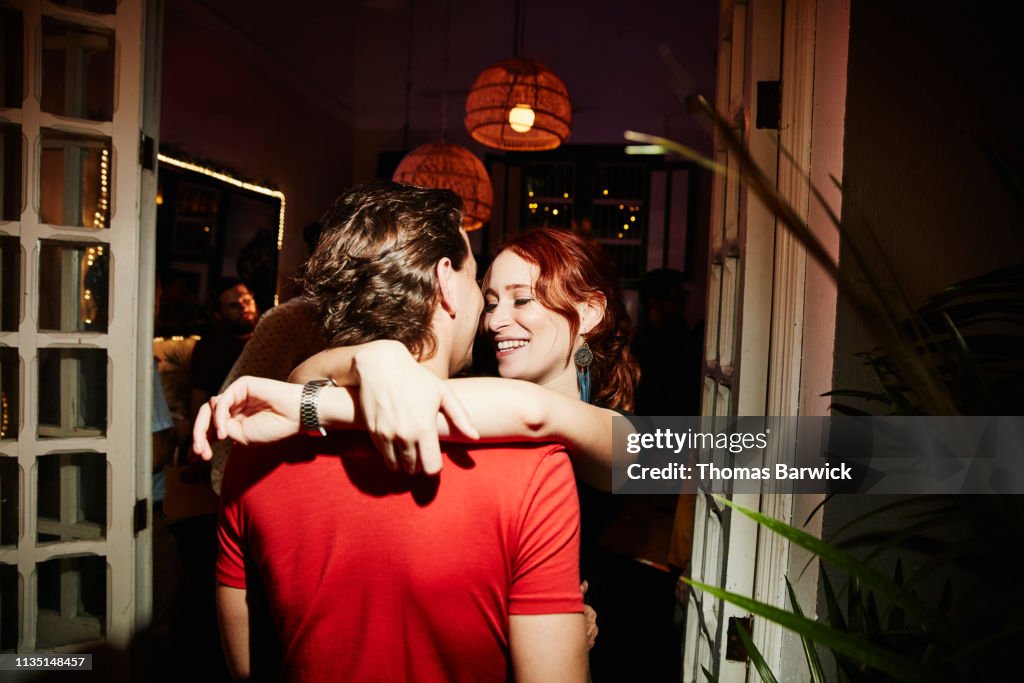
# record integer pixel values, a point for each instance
(496, 319)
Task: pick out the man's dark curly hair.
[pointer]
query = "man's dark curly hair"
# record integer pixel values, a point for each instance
(373, 275)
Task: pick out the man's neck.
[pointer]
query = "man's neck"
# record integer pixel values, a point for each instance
(437, 364)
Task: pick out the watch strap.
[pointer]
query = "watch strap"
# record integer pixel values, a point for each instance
(309, 418)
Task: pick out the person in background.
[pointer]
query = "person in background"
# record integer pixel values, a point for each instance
(233, 319)
(666, 348)
(285, 336)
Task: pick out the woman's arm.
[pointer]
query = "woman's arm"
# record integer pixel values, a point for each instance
(256, 410)
(503, 409)
(340, 363)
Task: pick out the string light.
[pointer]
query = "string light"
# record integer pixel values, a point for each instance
(276, 194)
(5, 418)
(99, 219)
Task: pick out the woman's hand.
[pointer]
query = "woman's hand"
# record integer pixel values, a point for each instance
(250, 410)
(400, 401)
(590, 616)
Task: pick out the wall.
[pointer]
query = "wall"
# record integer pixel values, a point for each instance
(925, 79)
(306, 98)
(227, 101)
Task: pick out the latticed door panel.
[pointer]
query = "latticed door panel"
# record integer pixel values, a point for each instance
(735, 350)
(70, 193)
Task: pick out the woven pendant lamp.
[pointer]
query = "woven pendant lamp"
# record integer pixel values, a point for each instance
(519, 105)
(444, 166)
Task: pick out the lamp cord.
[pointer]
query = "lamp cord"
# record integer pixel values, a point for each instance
(408, 77)
(519, 30)
(444, 76)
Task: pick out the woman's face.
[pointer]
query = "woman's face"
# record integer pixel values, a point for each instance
(531, 342)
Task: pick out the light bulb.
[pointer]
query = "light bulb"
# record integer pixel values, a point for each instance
(520, 118)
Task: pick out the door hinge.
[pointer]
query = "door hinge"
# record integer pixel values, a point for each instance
(141, 515)
(769, 104)
(147, 152)
(734, 649)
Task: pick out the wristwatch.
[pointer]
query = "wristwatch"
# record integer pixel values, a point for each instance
(308, 418)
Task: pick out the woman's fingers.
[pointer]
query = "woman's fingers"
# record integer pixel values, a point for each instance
(591, 618)
(200, 442)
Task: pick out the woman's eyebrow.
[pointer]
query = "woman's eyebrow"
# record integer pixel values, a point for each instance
(490, 291)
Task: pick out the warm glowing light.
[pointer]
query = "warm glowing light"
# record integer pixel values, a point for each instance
(632, 219)
(565, 194)
(531, 193)
(277, 194)
(521, 118)
(159, 200)
(604, 192)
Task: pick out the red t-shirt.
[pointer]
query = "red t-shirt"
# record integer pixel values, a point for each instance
(377, 576)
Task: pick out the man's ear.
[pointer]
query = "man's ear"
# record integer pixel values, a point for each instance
(591, 312)
(445, 270)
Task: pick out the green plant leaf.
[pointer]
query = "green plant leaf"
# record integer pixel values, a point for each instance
(835, 612)
(708, 675)
(847, 562)
(813, 661)
(898, 667)
(756, 658)
(1011, 176)
(855, 393)
(983, 403)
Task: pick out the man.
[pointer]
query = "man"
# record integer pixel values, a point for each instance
(374, 574)
(234, 315)
(285, 336)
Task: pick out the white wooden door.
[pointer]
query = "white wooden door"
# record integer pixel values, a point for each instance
(771, 312)
(76, 326)
(738, 323)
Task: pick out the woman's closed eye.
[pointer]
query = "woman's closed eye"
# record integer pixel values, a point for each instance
(522, 301)
(490, 306)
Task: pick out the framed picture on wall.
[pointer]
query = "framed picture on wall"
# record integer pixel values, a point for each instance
(212, 224)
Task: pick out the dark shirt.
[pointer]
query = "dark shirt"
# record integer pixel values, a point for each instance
(212, 358)
(670, 366)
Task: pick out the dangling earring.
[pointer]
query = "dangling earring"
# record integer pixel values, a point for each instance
(583, 358)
